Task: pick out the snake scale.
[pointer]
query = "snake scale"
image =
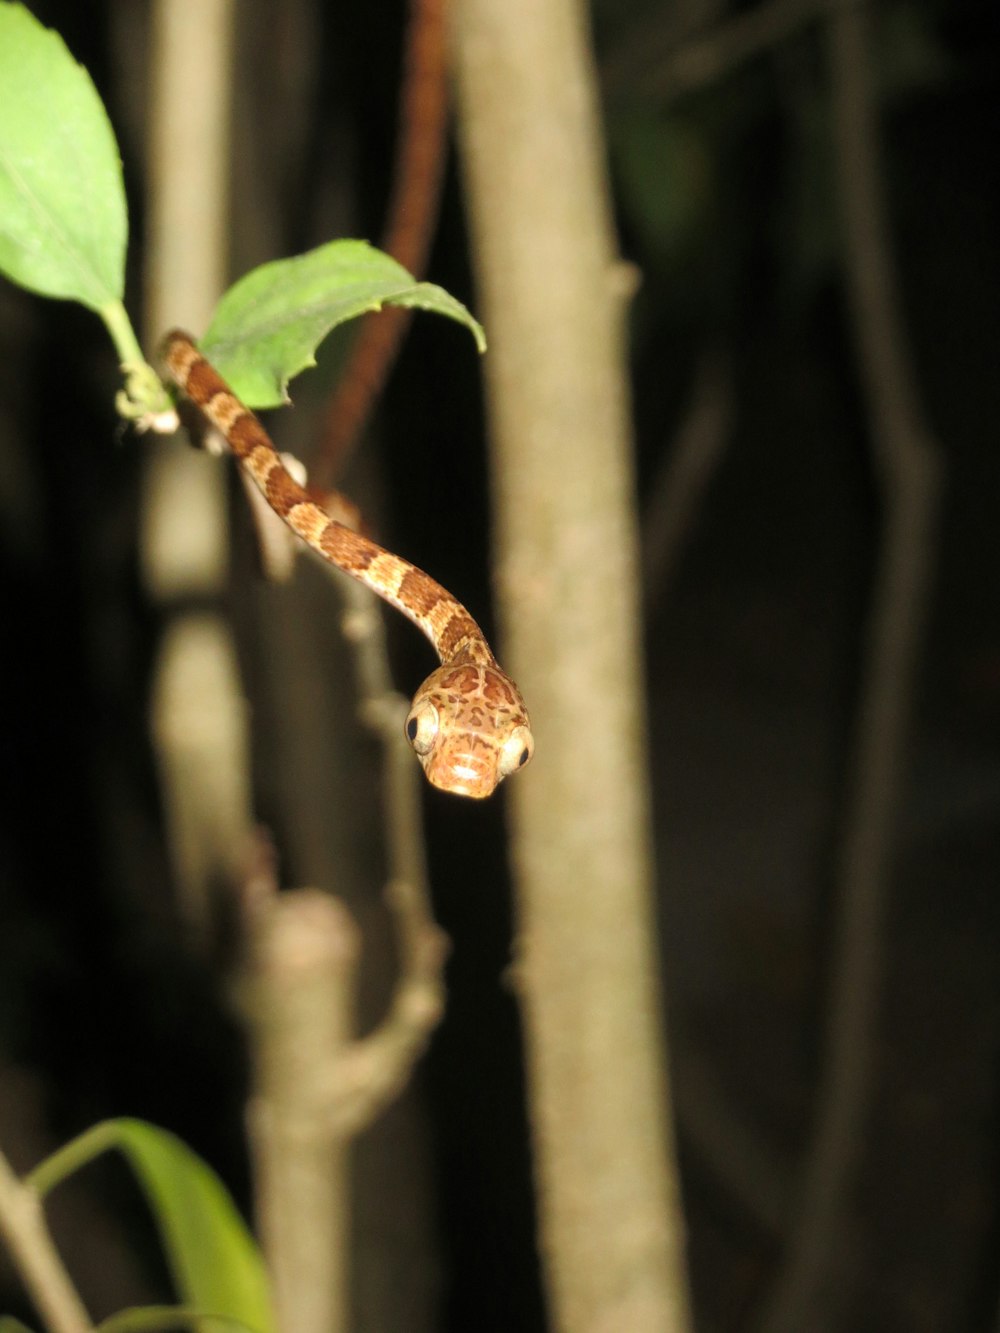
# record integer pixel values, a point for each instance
(467, 724)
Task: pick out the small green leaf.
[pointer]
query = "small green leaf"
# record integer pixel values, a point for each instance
(62, 203)
(214, 1260)
(268, 325)
(8, 1324)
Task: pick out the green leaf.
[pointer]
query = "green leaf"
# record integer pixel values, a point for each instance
(62, 203)
(268, 325)
(8, 1324)
(214, 1260)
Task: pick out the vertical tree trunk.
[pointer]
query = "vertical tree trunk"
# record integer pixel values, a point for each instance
(552, 299)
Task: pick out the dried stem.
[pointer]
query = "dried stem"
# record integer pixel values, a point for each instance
(22, 1226)
(908, 468)
(568, 581)
(423, 120)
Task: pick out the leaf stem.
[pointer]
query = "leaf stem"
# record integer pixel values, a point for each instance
(144, 399)
(69, 1158)
(119, 326)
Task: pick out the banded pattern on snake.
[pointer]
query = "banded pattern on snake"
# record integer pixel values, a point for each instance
(467, 724)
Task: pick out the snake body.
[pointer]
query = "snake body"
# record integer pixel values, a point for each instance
(467, 724)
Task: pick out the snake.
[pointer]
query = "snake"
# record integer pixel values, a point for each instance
(467, 723)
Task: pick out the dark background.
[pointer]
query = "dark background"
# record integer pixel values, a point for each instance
(726, 202)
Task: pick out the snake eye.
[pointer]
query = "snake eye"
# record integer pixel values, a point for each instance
(517, 750)
(422, 726)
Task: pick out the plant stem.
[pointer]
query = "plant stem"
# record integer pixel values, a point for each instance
(119, 326)
(22, 1227)
(69, 1158)
(144, 399)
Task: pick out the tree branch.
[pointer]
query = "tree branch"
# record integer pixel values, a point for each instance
(199, 719)
(300, 1006)
(568, 583)
(908, 468)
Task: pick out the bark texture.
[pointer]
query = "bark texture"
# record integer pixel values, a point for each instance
(551, 294)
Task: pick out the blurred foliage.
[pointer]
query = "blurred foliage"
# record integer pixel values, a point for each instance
(684, 153)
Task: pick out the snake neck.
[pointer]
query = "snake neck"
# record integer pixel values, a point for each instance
(472, 651)
(447, 624)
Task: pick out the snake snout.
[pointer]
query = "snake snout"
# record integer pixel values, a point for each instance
(462, 774)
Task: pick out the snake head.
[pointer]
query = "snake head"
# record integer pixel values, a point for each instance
(469, 728)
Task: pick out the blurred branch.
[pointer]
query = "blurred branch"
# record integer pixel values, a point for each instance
(660, 59)
(384, 711)
(689, 464)
(423, 121)
(303, 950)
(199, 724)
(199, 721)
(742, 1164)
(608, 1196)
(375, 1069)
(22, 1226)
(315, 1086)
(302, 946)
(908, 468)
(373, 1072)
(189, 152)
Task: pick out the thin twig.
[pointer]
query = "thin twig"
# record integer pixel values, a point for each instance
(692, 460)
(375, 1069)
(423, 119)
(908, 468)
(731, 1150)
(660, 59)
(22, 1226)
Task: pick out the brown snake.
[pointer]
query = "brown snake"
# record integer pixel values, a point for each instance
(467, 724)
